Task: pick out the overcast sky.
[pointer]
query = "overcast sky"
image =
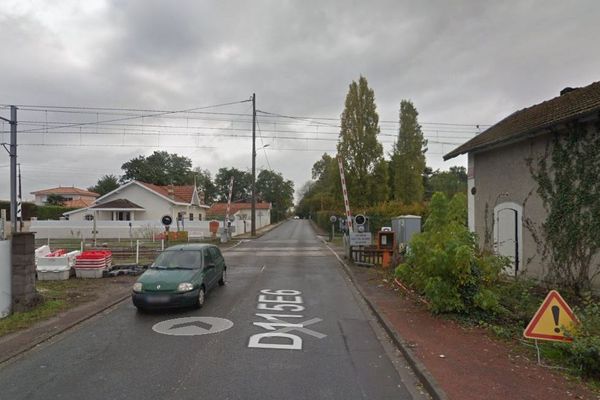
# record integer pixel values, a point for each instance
(460, 62)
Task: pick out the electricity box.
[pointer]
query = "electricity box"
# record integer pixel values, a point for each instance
(405, 226)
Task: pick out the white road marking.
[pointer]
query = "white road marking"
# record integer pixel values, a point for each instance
(192, 326)
(253, 249)
(310, 332)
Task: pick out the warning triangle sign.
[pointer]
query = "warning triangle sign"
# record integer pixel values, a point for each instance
(551, 320)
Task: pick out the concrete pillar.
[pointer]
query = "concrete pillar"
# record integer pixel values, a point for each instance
(24, 295)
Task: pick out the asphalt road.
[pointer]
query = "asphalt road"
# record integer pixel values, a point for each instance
(313, 339)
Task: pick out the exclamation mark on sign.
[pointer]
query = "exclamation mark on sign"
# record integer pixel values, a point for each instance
(556, 314)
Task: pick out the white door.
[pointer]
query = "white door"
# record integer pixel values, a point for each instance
(507, 236)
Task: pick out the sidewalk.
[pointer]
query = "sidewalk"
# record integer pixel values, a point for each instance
(465, 363)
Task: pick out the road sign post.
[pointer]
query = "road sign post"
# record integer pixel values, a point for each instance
(166, 220)
(332, 219)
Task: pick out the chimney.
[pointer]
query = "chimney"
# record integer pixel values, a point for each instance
(171, 192)
(567, 90)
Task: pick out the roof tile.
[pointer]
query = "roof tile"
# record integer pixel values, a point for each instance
(573, 104)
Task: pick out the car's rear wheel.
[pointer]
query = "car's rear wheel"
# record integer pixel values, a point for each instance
(201, 297)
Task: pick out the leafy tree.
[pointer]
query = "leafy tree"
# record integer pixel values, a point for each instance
(273, 188)
(160, 168)
(358, 146)
(206, 185)
(242, 184)
(106, 184)
(55, 200)
(448, 182)
(324, 191)
(408, 157)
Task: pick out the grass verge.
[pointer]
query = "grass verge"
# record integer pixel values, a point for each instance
(57, 296)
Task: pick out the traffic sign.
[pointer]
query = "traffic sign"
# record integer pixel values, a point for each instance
(551, 320)
(192, 326)
(332, 219)
(360, 239)
(166, 220)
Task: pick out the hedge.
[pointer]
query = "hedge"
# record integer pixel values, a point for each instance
(31, 210)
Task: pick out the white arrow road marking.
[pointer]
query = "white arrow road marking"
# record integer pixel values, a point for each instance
(192, 326)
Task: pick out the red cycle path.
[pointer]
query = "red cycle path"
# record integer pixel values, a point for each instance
(467, 363)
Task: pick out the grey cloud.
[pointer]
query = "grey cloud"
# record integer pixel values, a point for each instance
(459, 61)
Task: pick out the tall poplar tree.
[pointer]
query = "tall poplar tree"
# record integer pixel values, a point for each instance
(361, 152)
(408, 157)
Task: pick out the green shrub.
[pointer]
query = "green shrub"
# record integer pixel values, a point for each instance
(445, 265)
(51, 212)
(583, 354)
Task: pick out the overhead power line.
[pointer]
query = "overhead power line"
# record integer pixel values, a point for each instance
(268, 114)
(153, 115)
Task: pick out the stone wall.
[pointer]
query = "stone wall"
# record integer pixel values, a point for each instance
(24, 295)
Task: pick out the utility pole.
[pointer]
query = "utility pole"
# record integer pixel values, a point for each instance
(253, 212)
(20, 202)
(12, 151)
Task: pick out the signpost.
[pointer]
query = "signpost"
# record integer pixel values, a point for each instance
(332, 219)
(166, 220)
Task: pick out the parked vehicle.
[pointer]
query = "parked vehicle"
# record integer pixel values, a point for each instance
(180, 276)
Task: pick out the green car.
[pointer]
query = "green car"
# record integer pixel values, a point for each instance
(180, 276)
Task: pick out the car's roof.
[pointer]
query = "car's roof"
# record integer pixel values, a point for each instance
(190, 246)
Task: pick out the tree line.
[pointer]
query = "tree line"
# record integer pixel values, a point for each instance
(163, 168)
(372, 179)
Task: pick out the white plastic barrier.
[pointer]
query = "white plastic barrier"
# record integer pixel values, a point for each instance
(56, 268)
(5, 278)
(41, 252)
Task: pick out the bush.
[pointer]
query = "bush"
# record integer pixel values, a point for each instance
(583, 354)
(445, 265)
(41, 212)
(51, 212)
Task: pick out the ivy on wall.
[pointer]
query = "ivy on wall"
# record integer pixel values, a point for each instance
(568, 178)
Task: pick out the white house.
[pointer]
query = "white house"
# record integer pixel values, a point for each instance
(242, 212)
(144, 201)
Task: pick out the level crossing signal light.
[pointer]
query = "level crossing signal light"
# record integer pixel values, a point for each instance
(360, 221)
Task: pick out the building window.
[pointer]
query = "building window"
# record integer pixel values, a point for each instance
(191, 216)
(123, 216)
(89, 217)
(199, 217)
